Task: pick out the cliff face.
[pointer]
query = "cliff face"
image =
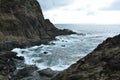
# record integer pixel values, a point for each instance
(101, 64)
(22, 24)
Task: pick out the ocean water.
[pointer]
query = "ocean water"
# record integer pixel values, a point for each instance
(67, 49)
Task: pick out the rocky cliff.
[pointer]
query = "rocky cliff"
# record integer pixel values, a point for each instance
(22, 24)
(101, 64)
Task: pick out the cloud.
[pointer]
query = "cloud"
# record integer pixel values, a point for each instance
(101, 17)
(114, 6)
(84, 11)
(51, 4)
(88, 5)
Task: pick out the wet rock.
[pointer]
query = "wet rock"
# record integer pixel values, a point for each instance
(9, 45)
(47, 72)
(19, 58)
(25, 72)
(66, 41)
(7, 54)
(22, 24)
(63, 41)
(45, 52)
(39, 61)
(66, 32)
(32, 73)
(103, 63)
(32, 76)
(81, 34)
(52, 43)
(23, 52)
(19, 63)
(7, 64)
(63, 45)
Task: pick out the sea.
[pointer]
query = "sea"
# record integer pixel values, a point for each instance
(65, 50)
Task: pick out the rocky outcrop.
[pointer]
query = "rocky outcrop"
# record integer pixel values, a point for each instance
(25, 72)
(22, 24)
(7, 65)
(32, 73)
(47, 74)
(101, 64)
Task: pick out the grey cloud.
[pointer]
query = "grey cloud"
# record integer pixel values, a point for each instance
(50, 4)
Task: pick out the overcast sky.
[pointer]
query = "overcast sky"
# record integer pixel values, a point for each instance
(82, 11)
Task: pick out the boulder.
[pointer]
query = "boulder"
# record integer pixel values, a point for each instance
(32, 73)
(45, 52)
(47, 72)
(25, 72)
(7, 64)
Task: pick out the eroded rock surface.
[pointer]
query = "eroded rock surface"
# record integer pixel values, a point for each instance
(32, 73)
(101, 64)
(22, 24)
(7, 64)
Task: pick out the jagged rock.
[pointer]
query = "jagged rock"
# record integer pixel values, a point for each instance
(7, 54)
(52, 43)
(31, 73)
(47, 72)
(25, 72)
(101, 64)
(45, 52)
(7, 64)
(19, 58)
(22, 24)
(82, 34)
(32, 76)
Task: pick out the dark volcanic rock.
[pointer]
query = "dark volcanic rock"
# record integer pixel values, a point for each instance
(101, 64)
(7, 64)
(25, 72)
(31, 73)
(47, 72)
(45, 52)
(22, 24)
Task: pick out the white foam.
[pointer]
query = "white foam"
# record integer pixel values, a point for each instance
(29, 52)
(58, 57)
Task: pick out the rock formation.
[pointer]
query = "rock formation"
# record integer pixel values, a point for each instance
(7, 65)
(22, 24)
(101, 64)
(31, 73)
